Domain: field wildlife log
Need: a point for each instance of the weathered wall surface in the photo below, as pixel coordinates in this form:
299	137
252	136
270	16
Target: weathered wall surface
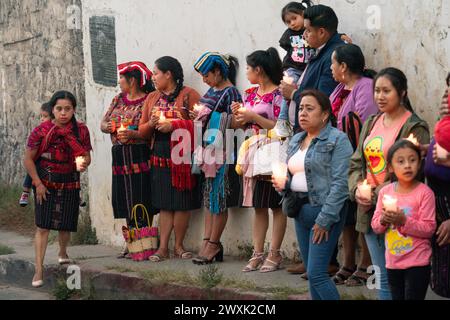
411	36
40	52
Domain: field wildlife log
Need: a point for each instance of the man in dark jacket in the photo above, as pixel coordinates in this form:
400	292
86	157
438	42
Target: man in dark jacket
321	25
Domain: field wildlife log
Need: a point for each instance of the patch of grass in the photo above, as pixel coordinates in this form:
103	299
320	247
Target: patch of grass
61	292
12	216
209	276
4	250
345	296
282	293
238	284
168	276
86	234
119	269
245	250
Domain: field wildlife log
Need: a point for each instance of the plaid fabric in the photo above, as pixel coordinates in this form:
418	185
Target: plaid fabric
59	146
60	210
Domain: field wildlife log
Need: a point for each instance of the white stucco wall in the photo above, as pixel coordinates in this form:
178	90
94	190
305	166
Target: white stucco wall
146	30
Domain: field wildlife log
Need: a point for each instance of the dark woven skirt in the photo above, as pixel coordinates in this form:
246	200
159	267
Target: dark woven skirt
264	195
440	261
164	196
60	211
131	180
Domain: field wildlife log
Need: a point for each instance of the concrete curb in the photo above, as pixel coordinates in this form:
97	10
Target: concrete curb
101	284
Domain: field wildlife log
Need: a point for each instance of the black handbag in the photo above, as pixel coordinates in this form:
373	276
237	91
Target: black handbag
293	202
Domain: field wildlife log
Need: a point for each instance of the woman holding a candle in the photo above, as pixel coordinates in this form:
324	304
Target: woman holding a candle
130	155
260	111
396	121
405	213
56	181
221	187
352	103
318	164
175	191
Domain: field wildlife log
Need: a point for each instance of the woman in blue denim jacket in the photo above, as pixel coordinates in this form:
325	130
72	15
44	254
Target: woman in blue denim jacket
318	165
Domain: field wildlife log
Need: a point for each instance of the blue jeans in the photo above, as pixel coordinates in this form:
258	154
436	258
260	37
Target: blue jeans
377	250
316	257
284	111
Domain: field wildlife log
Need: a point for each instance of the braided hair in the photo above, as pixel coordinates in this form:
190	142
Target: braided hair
171	64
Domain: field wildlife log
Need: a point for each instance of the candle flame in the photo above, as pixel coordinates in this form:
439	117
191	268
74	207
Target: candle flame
122	128
198	107
162	117
413	139
279	170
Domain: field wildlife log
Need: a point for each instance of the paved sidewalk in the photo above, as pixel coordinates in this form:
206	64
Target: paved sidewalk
112	278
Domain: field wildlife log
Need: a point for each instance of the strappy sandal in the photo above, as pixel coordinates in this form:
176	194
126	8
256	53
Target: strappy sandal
342	275
358	278
183	254
217	255
270	265
257	257
157	257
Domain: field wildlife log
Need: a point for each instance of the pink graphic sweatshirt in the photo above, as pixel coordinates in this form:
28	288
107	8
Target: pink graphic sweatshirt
409	245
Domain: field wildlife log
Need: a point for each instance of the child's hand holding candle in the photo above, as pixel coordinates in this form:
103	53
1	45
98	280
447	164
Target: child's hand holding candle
390	203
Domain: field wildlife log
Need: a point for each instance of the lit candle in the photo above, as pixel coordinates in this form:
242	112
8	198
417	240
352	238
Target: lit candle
198	107
79	161
122	128
287	79
413	139
162	117
365	190
442	154
279	172
390	203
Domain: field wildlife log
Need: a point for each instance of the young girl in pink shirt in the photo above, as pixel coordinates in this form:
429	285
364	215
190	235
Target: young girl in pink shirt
405	212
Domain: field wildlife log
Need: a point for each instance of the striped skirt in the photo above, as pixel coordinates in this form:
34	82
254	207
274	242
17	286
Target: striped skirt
131	181
440	262
61	209
264	195
164	195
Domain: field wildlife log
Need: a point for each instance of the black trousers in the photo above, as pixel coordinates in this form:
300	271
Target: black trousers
409	284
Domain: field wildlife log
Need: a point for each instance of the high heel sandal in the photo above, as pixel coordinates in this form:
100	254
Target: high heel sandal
218	256
256	256
270	265
202	249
